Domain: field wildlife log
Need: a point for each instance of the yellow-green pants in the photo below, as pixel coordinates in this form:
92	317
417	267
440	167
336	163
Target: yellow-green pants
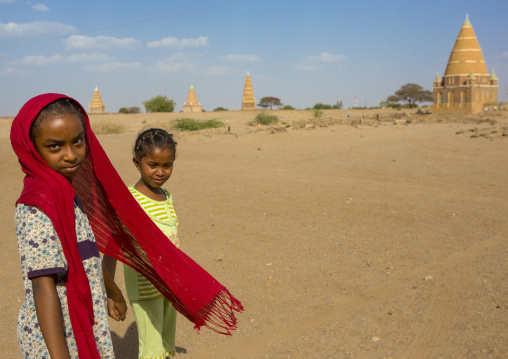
156	322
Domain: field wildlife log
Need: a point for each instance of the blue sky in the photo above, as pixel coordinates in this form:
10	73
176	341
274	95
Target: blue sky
302	52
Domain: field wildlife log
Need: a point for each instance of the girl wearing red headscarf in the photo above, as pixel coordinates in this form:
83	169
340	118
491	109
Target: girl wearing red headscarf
44	323
74	203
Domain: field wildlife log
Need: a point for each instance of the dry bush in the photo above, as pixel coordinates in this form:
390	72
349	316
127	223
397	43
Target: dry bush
108	128
189	124
333	121
300	123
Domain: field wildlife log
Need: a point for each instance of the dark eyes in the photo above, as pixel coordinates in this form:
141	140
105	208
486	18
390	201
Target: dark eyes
167	165
56	146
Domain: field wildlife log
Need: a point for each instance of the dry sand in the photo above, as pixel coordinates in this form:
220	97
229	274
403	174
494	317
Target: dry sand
364	238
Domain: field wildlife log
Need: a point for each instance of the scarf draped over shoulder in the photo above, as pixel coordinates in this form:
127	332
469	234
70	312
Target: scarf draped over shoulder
122	231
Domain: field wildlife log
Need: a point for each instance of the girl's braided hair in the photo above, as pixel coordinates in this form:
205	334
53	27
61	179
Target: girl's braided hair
58	108
153	138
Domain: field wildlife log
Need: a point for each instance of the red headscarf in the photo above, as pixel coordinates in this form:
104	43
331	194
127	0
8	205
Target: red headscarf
122	230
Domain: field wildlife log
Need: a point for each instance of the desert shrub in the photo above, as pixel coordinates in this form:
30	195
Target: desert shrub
287	107
220	109
108	128
300	123
317	113
189	124
321	106
132	109
265	119
389	104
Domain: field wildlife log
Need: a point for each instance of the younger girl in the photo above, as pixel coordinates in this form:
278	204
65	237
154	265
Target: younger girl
154	154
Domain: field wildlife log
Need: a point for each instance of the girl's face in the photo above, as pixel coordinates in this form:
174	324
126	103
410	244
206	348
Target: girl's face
62	145
155	167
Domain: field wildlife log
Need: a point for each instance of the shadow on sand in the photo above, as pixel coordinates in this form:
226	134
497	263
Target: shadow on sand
127	347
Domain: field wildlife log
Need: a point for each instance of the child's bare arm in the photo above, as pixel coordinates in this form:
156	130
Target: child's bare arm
110	264
117	308
49	315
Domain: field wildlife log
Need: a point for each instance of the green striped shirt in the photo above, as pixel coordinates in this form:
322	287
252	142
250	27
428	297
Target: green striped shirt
164	216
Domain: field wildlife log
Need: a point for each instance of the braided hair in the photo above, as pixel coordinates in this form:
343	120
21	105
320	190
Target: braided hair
151	139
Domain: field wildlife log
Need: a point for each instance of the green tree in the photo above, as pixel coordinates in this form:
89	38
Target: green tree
266	102
389	104
411	93
321	106
159	103
288	107
132	109
338	105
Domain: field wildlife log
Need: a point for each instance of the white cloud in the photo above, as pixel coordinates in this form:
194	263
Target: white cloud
182	56
88	57
173	67
174	42
325	57
183	62
504	55
217	70
180	62
306	68
37	28
240	58
39	7
12	71
314	63
100	42
114	67
198	42
41	60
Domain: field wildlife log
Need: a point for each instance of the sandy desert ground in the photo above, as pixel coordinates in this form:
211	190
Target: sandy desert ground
358	237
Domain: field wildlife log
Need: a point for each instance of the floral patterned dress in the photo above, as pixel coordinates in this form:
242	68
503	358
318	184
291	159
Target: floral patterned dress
42	254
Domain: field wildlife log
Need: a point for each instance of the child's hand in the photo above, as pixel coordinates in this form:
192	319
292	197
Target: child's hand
117	308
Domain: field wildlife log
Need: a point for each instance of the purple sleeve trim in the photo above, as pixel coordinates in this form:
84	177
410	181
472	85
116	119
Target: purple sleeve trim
88	249
46	271
79	203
